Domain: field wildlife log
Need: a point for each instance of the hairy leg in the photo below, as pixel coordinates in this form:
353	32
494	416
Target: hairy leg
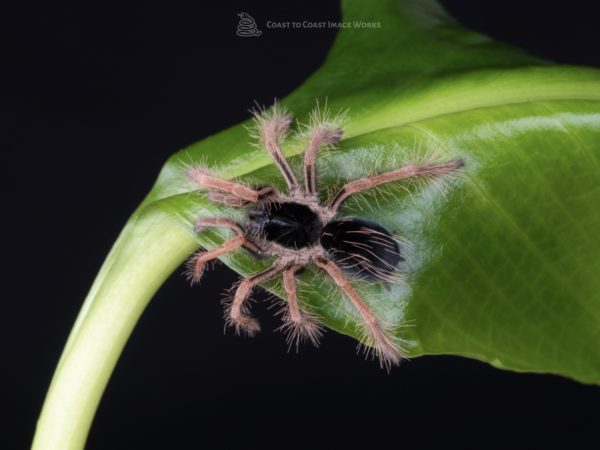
196	264
399	174
243	194
319	135
298	324
237	312
222	222
272	127
385	347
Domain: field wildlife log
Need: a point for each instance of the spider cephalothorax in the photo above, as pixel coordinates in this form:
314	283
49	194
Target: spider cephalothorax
297	230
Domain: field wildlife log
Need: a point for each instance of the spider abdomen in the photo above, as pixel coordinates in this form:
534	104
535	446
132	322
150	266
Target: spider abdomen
362	248
290	224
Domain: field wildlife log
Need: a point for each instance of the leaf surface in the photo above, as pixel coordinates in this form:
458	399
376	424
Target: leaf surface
505	259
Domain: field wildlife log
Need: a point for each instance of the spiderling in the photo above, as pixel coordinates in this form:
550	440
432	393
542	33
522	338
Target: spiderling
297	230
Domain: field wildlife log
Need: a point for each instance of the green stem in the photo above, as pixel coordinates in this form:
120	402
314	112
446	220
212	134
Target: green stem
149	249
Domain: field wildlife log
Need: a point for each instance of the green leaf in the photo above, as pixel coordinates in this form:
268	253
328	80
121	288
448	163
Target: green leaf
506	258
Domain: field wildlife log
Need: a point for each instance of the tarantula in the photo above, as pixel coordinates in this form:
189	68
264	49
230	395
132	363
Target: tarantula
298	230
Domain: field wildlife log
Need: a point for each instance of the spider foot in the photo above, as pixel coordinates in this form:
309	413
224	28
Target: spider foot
386	347
300	327
271	125
243	324
325	134
194	267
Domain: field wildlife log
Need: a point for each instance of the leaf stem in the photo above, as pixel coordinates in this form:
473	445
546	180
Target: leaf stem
149	249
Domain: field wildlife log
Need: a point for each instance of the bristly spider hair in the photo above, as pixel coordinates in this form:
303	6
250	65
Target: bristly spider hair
297	230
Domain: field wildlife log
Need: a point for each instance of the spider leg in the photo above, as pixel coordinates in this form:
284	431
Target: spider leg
272	126
320	135
366	183
237	192
386	349
197	262
237	312
227	223
298	324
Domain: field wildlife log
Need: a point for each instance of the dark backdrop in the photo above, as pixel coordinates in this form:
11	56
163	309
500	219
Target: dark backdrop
94	101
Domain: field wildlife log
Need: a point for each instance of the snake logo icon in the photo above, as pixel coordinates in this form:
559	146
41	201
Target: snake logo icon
247	26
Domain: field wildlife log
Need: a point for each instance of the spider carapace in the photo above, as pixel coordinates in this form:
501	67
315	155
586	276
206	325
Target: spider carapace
297	230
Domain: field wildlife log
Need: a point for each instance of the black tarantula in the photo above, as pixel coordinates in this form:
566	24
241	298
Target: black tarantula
297	230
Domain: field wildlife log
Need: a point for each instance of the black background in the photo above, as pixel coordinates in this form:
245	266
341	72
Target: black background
94	101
